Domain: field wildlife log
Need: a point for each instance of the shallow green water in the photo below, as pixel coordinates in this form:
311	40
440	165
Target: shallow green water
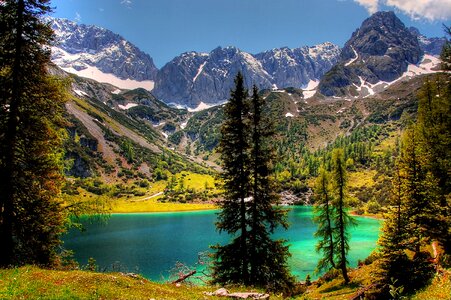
150	244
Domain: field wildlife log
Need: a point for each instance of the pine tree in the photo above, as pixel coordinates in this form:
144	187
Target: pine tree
342	219
419	187
268	258
412	221
248	209
434	127
231	262
324	215
31	106
393	244
445	56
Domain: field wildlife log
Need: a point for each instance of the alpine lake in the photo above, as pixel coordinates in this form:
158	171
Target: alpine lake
151	243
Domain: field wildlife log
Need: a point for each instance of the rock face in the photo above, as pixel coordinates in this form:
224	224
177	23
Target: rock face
296	67
432	46
80	46
192	78
380	50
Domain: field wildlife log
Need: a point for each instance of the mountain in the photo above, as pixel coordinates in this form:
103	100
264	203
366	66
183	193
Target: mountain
192	77
379	51
100	54
297	67
195	78
432	46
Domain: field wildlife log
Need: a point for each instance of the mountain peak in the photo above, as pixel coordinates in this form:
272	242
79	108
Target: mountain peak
380	50
81	47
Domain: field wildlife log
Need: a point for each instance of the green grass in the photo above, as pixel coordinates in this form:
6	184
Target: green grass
152	205
440	288
31	282
149	201
196	181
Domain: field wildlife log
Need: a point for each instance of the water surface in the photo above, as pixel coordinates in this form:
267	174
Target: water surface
150	244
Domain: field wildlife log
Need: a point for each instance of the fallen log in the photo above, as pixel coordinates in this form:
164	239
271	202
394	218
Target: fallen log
361	293
239	295
183	277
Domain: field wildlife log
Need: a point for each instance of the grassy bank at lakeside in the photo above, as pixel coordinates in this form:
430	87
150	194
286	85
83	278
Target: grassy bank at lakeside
31	282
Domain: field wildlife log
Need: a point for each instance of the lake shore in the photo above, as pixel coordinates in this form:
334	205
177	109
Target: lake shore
152	205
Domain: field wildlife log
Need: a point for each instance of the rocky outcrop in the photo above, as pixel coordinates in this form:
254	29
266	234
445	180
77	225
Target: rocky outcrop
380	50
79	167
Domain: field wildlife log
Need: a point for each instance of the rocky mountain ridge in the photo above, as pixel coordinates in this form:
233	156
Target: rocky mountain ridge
379	51
88	49
194	78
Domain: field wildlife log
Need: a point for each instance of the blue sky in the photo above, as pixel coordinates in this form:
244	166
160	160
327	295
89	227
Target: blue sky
166	28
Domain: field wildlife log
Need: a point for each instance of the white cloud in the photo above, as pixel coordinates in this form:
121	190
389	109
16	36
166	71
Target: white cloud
101	9
77	17
127	3
431	10
371	5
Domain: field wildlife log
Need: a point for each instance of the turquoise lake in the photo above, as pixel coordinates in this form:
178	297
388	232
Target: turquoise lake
150	244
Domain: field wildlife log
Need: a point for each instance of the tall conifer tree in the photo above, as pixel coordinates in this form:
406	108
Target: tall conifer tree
342	219
232	260
324	216
248	210
268	257
31	106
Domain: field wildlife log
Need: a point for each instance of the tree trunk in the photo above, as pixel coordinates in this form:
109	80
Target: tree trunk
6	235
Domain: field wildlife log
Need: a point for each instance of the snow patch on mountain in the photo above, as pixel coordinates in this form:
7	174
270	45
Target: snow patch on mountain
127	106
199	71
428	65
353	59
310	89
80	93
203	106
94	73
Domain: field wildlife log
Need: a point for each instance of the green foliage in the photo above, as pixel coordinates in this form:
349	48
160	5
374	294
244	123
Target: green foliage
419	211
324	215
92	265
341	219
128	150
445	56
396	291
231	262
31	122
248	209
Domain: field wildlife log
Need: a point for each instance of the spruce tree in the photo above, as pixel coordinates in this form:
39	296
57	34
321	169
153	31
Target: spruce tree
248	210
324	216
231	262
268	257
342	219
445	56
420	190
394	261
31	106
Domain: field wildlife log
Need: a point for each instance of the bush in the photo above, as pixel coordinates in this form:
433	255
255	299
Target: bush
330	275
373	207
